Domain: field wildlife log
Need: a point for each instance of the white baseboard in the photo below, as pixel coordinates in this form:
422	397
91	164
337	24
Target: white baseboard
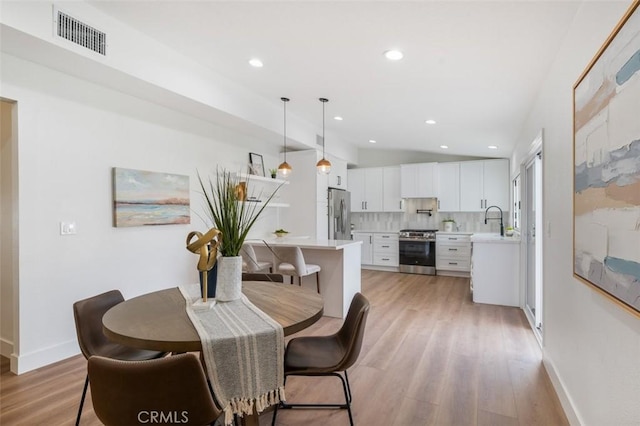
6	347
43	357
563	396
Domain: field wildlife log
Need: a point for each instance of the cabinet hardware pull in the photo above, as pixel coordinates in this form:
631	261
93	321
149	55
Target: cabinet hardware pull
453	238
385	258
385	246
453	249
339	180
453	263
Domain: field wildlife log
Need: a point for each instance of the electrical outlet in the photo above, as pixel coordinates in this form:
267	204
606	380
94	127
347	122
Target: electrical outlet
68	228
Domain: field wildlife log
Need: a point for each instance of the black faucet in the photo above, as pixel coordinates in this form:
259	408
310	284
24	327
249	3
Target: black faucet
494	218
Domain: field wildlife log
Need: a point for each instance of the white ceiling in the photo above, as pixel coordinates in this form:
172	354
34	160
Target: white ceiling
475	67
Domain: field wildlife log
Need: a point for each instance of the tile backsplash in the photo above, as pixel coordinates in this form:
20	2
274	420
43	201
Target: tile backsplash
410	219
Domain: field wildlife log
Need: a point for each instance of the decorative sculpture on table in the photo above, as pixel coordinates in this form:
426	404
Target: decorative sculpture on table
206	245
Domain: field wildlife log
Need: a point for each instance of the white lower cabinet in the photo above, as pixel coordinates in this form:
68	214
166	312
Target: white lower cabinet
379	249
367	246
453	254
385	249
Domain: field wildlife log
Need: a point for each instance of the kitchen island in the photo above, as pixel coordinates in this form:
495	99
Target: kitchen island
495	269
340	262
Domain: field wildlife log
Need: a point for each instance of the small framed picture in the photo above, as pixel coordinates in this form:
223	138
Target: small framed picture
256	165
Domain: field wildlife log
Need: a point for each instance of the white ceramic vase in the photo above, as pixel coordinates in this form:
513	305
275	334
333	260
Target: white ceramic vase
229	286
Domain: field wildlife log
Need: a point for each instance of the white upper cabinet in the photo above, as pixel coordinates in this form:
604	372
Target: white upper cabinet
391	199
448	187
483	184
338	175
418	180
366	187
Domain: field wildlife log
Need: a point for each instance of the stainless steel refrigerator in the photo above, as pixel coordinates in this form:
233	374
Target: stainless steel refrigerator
339	214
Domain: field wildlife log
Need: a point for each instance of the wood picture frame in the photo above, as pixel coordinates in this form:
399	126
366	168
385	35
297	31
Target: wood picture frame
256	164
606	164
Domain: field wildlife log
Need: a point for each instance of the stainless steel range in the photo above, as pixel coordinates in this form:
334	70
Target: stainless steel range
418	251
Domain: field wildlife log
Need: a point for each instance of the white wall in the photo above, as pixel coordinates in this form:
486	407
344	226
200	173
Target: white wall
71	134
591	345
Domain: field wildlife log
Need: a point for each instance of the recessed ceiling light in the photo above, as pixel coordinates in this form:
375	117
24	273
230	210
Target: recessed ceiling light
430	121
337	117
444	146
492	147
372	141
393	55
255	62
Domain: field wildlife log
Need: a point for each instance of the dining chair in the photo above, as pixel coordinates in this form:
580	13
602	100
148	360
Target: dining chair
170	390
250	262
328	355
88	314
274	278
290	261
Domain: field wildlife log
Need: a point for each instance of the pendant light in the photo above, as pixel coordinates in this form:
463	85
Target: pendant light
323	166
284	169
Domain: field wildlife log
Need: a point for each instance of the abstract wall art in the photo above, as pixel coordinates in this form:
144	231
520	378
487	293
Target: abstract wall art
606	196
149	198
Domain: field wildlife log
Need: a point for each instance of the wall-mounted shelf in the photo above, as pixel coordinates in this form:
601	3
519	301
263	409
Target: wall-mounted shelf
257	178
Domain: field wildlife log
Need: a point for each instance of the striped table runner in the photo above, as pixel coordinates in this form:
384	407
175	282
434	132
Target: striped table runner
243	349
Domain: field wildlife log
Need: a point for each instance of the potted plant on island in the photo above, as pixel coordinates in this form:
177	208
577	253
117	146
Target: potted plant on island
233	214
281	233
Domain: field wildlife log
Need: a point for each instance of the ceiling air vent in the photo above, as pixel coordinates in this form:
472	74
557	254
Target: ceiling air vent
80	33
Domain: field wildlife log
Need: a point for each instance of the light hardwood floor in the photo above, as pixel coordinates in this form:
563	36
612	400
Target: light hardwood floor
430	357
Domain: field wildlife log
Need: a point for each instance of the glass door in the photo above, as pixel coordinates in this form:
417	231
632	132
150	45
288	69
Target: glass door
532	228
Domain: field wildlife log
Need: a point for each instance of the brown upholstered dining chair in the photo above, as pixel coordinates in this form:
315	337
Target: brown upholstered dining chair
170	390
274	278
88	315
328	355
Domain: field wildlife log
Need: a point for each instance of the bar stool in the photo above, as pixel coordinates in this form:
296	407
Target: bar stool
250	262
290	261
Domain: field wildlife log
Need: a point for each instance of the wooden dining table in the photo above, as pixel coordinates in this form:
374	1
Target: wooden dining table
159	321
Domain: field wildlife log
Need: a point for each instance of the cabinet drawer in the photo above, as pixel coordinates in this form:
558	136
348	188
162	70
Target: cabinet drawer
385	238
451	250
453	264
386	247
453	238
385	259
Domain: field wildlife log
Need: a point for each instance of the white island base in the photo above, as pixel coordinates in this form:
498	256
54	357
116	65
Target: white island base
495	269
340	276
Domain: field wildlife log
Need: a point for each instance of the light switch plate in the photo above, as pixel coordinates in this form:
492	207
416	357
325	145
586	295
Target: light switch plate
68	228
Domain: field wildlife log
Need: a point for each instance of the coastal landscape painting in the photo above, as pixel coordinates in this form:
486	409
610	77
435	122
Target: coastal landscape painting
606	196
150	198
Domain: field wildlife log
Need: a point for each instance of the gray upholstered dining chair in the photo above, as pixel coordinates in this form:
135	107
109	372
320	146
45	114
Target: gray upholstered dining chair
172	389
250	261
88	314
289	260
328	355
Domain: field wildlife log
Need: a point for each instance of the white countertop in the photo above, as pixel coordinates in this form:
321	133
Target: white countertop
486	237
308	243
377	231
454	233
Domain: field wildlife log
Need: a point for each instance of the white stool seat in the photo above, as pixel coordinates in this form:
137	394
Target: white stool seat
250	262
289	269
290	261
